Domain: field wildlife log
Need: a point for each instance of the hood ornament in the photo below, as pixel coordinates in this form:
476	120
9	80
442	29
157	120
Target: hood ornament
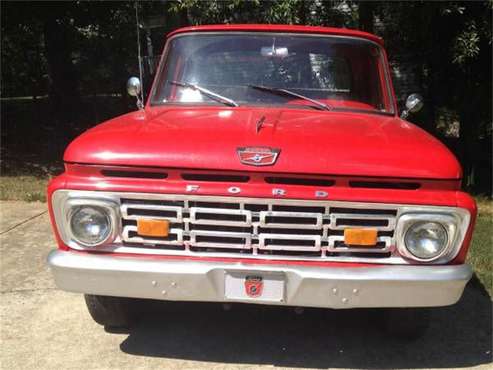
258	156
259	124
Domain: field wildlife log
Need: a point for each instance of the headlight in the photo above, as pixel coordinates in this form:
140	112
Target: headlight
426	240
431	237
90	225
86	220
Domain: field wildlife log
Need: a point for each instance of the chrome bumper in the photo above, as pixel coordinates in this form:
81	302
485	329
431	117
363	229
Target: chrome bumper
331	287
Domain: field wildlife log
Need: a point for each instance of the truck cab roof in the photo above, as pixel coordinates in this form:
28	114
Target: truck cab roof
279	28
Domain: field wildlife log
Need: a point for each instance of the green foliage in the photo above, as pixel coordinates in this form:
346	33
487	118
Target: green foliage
26	188
329	13
466	45
481	251
69	50
99	37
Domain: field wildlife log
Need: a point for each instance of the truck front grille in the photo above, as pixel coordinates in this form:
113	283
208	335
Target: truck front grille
261	228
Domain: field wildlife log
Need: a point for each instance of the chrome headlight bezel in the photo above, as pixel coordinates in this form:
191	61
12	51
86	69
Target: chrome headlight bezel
64	208
455	222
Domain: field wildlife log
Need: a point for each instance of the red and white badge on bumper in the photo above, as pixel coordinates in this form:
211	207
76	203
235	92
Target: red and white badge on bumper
262	286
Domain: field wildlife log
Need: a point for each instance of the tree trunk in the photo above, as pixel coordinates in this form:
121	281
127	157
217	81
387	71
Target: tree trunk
63	80
365	12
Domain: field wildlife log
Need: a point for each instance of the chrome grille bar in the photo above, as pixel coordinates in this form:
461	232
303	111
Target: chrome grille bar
219	237
291	217
176	217
175	237
274	226
195	216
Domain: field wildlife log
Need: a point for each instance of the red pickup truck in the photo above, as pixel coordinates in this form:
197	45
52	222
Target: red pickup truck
270	165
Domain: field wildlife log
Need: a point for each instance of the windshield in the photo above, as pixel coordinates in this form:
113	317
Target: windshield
341	72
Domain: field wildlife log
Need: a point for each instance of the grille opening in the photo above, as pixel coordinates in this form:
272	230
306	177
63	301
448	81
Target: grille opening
364	211
306	209
288	242
379	233
214	177
151	212
290	220
298	181
256	207
385	185
169	238
134	174
290	253
126	222
220	250
219	217
157	246
386	233
199	204
359	254
274	230
341	244
235	229
361	222
172	225
175	203
220	239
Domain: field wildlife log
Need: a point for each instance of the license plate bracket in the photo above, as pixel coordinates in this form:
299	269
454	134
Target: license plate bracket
264	286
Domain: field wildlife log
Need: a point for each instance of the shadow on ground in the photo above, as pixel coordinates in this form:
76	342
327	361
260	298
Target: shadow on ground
459	336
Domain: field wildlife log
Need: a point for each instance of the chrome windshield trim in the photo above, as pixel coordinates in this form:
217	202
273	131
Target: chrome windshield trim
383	55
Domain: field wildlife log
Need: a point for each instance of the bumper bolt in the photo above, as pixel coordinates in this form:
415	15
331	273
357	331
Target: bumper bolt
163	292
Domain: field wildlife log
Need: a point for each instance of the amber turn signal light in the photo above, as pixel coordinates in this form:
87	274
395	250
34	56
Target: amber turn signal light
148	227
360	237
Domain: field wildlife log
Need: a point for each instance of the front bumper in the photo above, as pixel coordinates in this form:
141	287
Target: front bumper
330	287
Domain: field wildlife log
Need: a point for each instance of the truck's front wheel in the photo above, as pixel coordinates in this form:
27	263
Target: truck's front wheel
113	312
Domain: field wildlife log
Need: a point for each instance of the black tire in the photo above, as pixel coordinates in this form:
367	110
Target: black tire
407	323
111	312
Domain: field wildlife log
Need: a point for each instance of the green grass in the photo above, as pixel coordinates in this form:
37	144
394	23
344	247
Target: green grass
481	251
27	188
33	188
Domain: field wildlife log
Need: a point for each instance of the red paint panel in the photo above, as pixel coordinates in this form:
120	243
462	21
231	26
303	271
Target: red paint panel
313	142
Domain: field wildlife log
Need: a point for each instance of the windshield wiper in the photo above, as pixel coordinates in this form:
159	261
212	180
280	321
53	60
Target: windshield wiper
210	94
285	92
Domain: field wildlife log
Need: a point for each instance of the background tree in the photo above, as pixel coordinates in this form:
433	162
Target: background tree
80	54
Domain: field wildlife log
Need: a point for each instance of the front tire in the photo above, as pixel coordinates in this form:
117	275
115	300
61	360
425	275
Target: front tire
407	323
111	312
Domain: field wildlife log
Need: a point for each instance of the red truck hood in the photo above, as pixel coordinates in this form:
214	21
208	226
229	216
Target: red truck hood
315	142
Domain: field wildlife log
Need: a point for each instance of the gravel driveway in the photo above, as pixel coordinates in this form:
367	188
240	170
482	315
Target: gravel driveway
43	328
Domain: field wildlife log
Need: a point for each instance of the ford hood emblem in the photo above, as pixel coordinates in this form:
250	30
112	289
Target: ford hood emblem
258	156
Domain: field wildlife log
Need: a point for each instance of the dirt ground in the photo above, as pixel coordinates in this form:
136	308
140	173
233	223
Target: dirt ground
44	328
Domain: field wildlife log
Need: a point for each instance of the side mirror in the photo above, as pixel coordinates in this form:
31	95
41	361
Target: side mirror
414	103
134	88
